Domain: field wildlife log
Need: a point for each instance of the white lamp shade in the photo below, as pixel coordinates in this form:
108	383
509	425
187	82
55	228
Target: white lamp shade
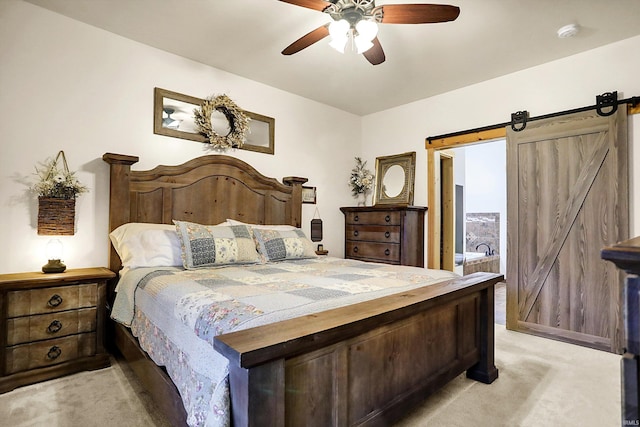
338	29
54	249
367	29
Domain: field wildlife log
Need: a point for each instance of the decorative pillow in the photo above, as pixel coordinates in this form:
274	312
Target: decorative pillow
214	245
147	245
279	245
263	227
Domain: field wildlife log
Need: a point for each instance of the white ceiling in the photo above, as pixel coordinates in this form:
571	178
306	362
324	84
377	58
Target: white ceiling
490	38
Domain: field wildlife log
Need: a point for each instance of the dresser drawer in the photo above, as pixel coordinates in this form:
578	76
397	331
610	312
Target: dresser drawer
383	252
373	233
50	352
372	217
46	326
48	300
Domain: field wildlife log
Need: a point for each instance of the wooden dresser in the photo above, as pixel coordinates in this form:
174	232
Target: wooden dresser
51	325
626	256
389	234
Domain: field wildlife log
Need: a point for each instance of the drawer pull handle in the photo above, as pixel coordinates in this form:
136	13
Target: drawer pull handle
355	249
387	252
387	218
355	218
54	352
54	327
387	234
355	233
54	301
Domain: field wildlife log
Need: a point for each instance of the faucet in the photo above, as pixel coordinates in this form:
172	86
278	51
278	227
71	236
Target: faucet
489	251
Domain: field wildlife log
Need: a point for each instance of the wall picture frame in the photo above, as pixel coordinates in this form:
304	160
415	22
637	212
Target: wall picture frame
173	116
309	195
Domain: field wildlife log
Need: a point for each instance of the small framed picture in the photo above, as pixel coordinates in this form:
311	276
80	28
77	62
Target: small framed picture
308	194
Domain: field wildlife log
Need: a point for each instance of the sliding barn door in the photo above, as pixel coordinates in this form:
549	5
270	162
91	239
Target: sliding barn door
567	192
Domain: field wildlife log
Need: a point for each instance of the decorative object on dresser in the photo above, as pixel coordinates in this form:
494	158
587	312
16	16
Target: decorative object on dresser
389	234
174	116
361	181
57	189
395	179
51	325
626	256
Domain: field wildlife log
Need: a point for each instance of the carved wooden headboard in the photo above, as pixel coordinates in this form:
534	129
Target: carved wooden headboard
205	190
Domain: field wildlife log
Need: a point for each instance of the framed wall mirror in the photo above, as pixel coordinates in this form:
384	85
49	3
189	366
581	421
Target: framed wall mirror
395	178
173	116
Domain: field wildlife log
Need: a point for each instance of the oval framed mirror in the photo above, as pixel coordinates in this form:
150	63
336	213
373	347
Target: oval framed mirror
395	177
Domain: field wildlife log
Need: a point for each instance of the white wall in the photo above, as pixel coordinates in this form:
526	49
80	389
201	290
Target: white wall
560	85
68	86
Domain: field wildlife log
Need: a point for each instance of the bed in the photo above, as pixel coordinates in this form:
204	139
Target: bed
365	363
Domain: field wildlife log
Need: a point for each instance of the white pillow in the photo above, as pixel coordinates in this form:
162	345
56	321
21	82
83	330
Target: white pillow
263	227
147	245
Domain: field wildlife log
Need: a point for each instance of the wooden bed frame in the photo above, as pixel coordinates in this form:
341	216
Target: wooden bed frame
365	364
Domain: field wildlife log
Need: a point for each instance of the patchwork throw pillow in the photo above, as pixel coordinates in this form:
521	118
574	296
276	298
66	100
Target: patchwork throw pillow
215	245
279	245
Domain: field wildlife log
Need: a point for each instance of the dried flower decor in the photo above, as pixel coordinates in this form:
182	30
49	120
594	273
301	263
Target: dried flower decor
238	122
361	181
56	181
57	189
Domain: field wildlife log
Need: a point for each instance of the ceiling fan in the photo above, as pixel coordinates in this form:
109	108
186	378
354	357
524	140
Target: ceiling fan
359	18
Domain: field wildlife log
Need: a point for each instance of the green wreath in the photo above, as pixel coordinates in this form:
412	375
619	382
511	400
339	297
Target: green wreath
238	122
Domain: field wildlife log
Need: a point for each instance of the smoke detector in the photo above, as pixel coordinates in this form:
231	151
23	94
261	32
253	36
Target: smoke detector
568	31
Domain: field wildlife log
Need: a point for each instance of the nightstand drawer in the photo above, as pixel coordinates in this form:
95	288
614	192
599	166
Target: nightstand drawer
47	300
383	252
50	352
374	233
372	217
46	326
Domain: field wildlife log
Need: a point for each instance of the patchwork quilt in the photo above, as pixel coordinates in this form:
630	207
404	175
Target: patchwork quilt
176	313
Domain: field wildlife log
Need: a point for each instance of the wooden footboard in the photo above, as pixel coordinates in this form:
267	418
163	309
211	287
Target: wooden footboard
365	364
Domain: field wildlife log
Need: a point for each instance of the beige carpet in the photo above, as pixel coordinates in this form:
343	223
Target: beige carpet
542	383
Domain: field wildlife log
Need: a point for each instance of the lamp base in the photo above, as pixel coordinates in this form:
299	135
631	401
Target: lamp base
54	266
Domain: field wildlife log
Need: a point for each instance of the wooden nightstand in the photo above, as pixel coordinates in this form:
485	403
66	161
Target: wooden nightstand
51	325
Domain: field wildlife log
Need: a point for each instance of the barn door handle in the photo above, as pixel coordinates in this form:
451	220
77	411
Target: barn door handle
54	301
54	327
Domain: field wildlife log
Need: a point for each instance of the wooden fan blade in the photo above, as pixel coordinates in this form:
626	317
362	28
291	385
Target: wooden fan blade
307	40
310	4
418	13
375	55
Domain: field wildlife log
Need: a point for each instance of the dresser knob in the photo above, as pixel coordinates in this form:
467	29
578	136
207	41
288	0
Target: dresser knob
356	218
355	249
387	218
387	234
54	301
54	352
387	252
355	233
54	327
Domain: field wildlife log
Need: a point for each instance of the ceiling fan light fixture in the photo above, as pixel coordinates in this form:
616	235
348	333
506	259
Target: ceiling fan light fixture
367	29
339	31
362	44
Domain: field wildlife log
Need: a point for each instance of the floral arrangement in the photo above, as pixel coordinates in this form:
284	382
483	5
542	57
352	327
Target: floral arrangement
238	122
361	178
55	180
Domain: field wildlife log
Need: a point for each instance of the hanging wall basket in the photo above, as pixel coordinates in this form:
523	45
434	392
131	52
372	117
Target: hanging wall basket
57	190
56	216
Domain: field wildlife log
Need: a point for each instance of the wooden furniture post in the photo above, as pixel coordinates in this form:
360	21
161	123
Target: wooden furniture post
485	370
118	196
626	256
296	182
